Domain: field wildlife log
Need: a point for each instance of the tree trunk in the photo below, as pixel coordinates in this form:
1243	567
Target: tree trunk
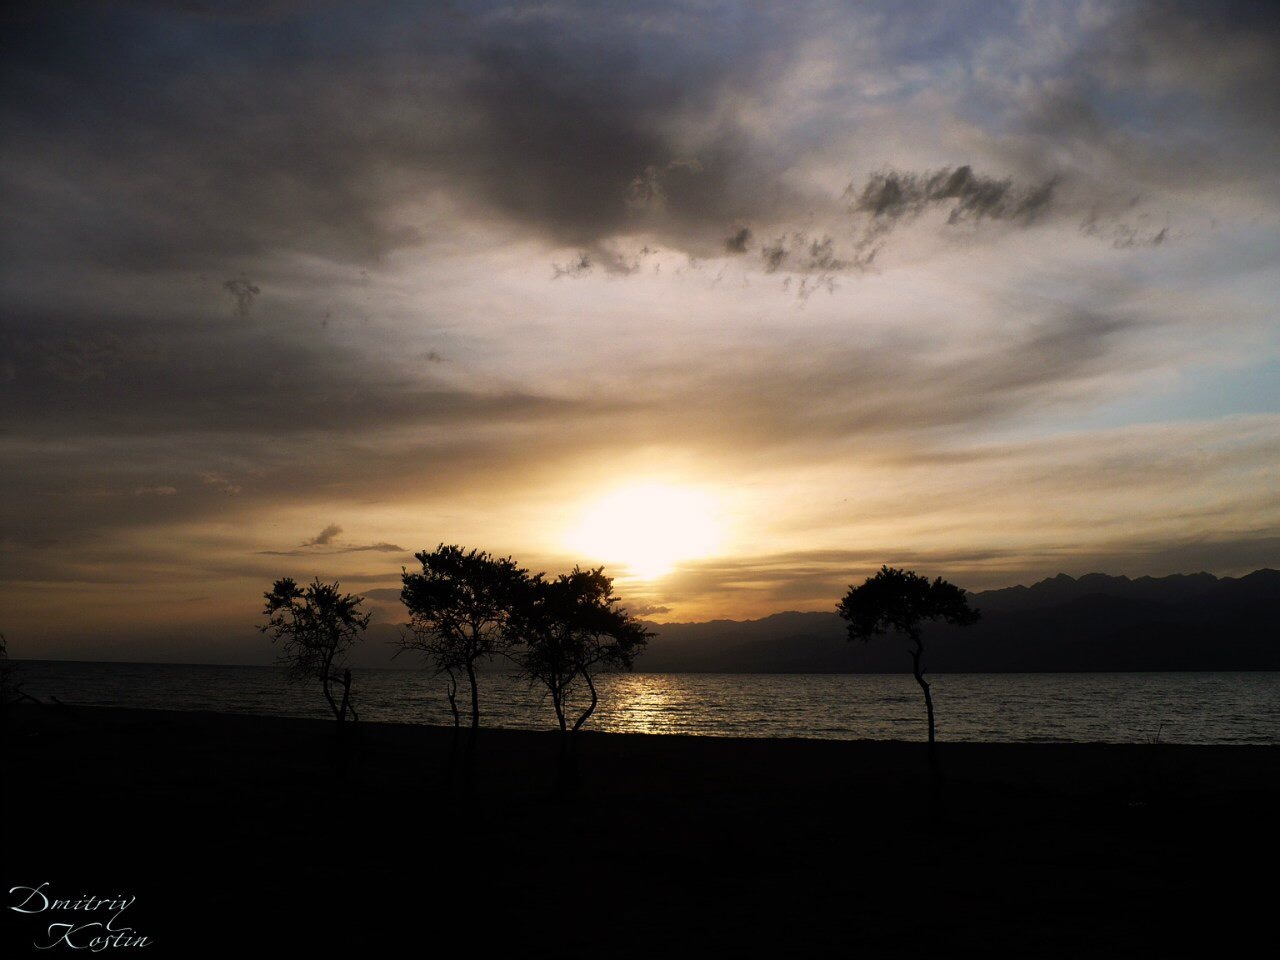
452	693
346	696
595	699
928	706
328	695
557	701
475	695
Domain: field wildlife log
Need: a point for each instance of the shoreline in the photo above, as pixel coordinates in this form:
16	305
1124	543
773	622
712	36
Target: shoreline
724	845
640	669
1137	708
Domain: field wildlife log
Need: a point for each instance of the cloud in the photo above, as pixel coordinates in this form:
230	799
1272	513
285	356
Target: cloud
645	609
1125	234
324	537
155	376
816	579
381	547
385	594
320	135
580	266
738	241
1047	218
647	194
82	357
243	291
335	549
890	197
222	484
1222	55
890	389
577	130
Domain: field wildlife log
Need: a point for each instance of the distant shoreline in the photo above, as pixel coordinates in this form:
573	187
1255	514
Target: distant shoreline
639	670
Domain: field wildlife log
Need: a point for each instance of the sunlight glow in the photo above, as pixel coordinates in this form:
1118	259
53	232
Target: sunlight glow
648	529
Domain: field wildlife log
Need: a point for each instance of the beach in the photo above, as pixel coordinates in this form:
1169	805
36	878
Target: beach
231	831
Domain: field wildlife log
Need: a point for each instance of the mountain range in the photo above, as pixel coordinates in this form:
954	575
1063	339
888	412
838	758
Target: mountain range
1091	623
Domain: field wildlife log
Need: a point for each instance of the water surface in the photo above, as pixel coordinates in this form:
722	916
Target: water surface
1043	707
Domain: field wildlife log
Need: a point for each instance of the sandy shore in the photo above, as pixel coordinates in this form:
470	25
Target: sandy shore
235	830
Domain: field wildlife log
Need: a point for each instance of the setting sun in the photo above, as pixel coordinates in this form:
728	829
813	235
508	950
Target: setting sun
648	529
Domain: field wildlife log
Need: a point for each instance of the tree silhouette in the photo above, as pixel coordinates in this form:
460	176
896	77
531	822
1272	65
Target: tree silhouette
10	685
902	600
566	630
459	609
316	627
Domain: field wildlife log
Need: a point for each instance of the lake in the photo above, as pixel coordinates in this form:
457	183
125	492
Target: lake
1040	707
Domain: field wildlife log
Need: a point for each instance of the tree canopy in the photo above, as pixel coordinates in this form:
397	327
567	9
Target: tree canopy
901	601
459	607
316	627
567	629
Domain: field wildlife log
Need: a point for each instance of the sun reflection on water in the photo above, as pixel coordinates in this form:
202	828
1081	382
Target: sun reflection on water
642	706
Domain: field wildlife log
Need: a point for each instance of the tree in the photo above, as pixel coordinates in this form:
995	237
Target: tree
316	627
569	628
459	610
902	600
10	685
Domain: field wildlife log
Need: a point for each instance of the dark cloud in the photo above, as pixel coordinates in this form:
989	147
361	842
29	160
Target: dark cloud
612	261
151	377
85	357
573	130
243	291
146	143
217	141
555	147
313	132
334	550
1141	231
1159	98
324	537
1222	55
580	266
891	195
307	131
161	491
814	259
738	241
774	255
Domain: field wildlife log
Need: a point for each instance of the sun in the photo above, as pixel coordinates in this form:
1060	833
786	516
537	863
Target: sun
648	529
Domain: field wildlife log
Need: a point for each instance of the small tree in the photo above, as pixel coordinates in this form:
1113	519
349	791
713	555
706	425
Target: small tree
10	685
459	609
568	629
902	600
317	626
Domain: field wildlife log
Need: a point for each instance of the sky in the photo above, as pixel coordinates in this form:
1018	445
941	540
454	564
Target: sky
739	300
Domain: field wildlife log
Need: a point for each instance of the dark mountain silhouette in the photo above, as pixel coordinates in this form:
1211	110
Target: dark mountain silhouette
1093	623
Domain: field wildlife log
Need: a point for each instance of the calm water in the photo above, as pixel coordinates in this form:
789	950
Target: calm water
1114	707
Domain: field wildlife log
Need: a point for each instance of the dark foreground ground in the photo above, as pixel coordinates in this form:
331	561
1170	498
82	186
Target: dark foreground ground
245	833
